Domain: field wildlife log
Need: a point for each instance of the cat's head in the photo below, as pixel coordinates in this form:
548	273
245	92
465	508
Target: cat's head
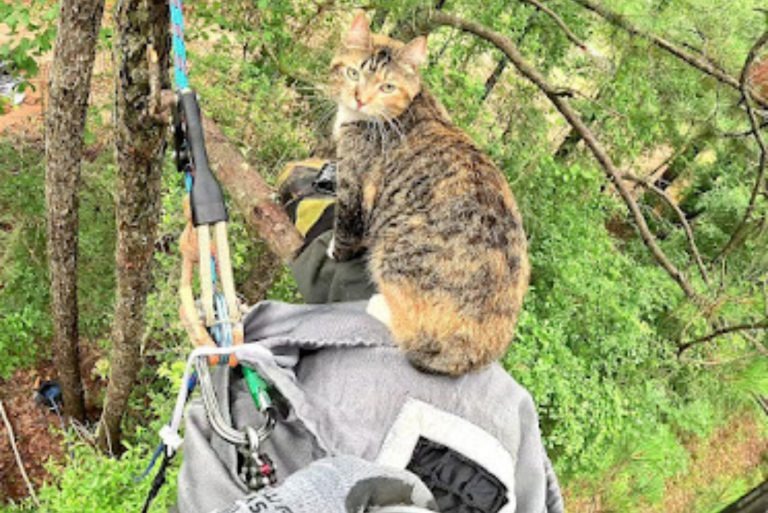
374	76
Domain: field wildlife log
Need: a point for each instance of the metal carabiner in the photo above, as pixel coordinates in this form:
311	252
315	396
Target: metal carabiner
212	410
258	470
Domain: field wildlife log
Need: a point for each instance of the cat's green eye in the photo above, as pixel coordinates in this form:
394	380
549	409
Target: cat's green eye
387	88
353	74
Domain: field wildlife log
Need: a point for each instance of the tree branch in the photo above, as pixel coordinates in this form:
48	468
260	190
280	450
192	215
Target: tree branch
747	100
559	22
680	216
763	325
697	61
574	119
491	81
251	194
745	133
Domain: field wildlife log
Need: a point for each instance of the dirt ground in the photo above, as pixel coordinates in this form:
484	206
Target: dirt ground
27	118
734	450
36	430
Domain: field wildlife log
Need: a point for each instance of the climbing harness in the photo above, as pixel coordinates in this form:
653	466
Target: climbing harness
214	322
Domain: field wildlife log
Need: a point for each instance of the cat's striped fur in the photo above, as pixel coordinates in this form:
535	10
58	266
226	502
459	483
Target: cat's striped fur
444	239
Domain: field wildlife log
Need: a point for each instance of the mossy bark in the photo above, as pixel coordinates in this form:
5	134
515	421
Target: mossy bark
70	84
139	146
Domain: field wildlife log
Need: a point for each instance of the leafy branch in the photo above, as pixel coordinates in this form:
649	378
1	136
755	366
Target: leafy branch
559	22
556	97
37	18
699	62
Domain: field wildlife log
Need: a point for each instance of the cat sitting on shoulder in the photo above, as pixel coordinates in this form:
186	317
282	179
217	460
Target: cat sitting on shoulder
444	238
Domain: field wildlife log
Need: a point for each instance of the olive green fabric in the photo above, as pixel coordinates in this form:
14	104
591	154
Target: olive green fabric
322	280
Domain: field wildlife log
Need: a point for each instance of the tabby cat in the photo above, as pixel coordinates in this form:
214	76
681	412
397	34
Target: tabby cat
445	242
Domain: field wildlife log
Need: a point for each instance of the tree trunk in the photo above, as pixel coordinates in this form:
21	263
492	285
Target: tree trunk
139	146
79	23
265	269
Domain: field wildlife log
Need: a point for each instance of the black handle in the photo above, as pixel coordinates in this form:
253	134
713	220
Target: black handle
206	198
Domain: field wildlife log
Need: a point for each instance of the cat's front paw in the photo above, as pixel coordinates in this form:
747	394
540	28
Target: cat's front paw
341	252
331	248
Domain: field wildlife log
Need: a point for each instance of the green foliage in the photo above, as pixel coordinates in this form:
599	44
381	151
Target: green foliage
23	273
36	18
597	342
24	316
92	481
284	288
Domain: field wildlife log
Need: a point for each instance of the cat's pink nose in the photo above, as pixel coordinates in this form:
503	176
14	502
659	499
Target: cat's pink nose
359	104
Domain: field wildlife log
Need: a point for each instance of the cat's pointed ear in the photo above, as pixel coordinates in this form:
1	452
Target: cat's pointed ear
359	35
415	52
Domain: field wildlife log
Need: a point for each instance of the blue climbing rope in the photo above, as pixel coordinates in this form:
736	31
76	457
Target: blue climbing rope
180	76
192	160
208	208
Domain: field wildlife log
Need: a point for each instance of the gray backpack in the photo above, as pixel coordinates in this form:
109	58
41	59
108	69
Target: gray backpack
342	390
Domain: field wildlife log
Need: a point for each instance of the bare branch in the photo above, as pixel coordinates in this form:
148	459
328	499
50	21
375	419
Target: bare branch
762	402
680	216
559	22
490	83
747	99
763	325
764	287
745	133
758	345
251	194
574	119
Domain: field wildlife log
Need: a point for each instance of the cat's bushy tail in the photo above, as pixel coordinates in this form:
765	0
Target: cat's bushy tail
439	336
444	356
